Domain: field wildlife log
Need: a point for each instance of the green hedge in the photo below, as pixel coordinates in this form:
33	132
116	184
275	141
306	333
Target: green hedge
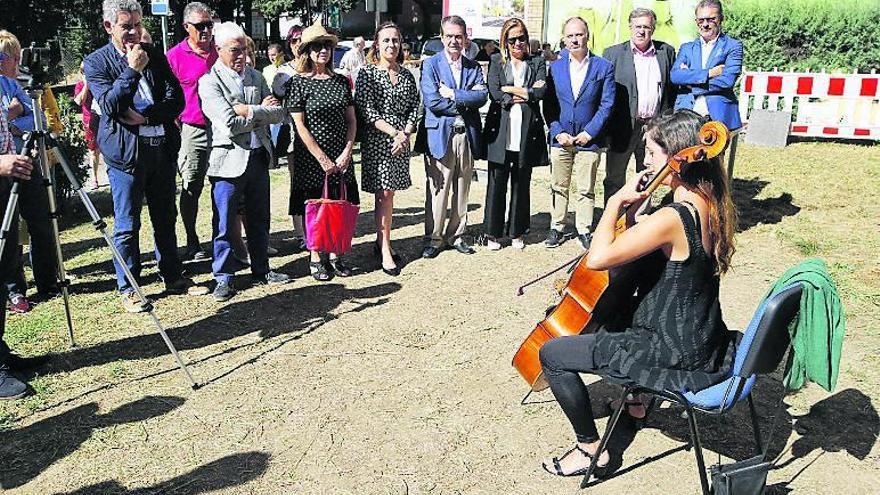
807	34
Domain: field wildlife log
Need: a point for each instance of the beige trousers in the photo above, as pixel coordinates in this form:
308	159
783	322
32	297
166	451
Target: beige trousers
583	165
453	173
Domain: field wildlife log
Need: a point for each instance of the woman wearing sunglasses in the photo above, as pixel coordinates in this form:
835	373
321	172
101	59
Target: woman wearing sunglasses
514	133
324	121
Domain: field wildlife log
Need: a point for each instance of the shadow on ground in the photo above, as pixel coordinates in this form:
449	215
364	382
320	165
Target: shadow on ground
227	472
845	421
28	451
298	310
757	211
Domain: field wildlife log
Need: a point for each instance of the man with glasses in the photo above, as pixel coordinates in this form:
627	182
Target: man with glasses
140	100
577	105
189	61
239	105
707	68
642	91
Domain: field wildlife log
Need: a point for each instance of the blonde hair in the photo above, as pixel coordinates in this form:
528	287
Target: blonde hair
9	43
505	33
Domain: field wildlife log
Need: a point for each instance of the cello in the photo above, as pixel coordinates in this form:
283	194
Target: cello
589	296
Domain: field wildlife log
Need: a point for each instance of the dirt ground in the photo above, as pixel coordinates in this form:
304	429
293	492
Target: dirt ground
384	385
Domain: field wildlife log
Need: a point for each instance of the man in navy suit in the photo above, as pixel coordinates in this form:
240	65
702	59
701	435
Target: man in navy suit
707	68
579	99
453	90
140	99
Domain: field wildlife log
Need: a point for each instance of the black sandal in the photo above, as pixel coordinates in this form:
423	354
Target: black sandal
598	472
339	268
319	271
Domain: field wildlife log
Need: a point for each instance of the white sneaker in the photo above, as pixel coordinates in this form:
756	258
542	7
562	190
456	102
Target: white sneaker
518	243
492	244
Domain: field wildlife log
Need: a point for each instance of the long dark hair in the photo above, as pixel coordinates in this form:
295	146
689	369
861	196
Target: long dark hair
677	131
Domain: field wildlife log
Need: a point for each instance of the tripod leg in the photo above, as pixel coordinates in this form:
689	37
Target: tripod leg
9	216
63	281
101	226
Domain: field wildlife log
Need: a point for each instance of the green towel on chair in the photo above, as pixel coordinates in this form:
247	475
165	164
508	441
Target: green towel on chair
817	338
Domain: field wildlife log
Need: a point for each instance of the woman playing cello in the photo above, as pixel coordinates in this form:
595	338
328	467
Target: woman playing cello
676	337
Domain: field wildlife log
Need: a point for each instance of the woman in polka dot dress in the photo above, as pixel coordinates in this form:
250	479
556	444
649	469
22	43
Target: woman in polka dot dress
324	117
387	100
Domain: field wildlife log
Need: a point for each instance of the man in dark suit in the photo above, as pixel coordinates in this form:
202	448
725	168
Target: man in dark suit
707	68
641	78
453	91
140	99
576	108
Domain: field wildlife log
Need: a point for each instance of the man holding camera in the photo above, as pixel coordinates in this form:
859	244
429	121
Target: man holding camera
12	166
140	99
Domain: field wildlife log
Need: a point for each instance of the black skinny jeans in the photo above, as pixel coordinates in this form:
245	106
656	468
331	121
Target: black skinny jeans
562	359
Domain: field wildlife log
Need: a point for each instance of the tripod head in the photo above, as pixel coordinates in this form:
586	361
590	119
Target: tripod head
35	62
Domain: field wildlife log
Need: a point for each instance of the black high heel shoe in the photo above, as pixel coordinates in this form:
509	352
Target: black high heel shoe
393	272
378	252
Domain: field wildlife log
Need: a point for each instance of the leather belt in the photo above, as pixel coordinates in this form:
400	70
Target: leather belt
153	141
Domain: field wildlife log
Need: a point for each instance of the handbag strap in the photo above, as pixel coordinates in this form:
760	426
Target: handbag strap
343	189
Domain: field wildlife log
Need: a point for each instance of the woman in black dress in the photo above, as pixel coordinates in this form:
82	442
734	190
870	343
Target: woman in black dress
387	99
514	133
323	114
676	338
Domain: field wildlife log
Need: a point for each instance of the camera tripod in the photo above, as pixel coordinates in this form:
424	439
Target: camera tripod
41	141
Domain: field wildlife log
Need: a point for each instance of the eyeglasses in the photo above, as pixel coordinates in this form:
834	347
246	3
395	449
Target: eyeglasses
321	45
521	38
710	20
202	26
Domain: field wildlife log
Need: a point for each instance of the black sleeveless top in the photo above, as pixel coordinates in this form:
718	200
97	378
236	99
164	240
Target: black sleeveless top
676	338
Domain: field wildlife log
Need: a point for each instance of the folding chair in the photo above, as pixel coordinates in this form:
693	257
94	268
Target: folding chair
759	352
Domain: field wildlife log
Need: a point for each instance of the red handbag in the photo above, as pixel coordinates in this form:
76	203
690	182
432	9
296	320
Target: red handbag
330	223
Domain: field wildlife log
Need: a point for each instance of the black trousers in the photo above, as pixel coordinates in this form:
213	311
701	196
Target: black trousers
562	359
496	194
7	264
33	205
616	161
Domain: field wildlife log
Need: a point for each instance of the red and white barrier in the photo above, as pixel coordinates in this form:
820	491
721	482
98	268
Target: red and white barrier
822	105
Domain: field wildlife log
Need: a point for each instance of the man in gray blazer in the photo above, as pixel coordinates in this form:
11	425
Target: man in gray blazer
643	90
237	102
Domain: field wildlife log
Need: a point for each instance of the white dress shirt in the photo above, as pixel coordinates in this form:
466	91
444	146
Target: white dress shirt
578	73
700	105
514	126
456	68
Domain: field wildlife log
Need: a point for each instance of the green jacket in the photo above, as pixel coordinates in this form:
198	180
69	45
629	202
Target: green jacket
817	338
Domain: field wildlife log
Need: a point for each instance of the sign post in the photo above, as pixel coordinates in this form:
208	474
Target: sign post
160	8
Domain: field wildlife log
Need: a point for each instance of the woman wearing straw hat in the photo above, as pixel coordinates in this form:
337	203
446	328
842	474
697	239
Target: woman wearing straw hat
324	118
